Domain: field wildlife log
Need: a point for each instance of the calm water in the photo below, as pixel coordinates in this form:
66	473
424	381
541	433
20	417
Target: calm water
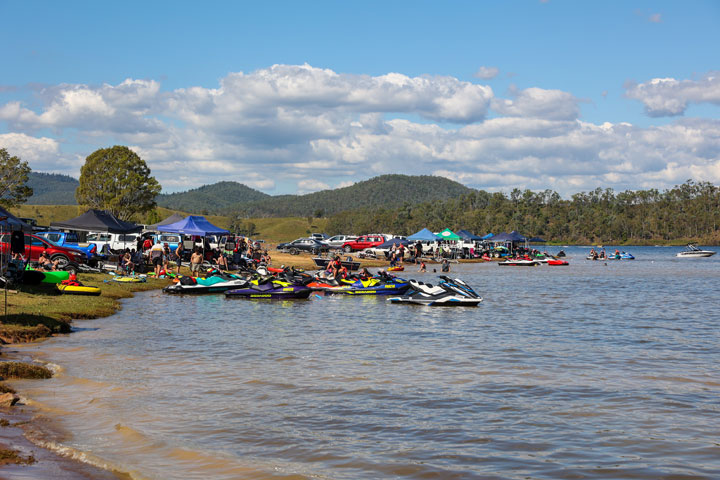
587	371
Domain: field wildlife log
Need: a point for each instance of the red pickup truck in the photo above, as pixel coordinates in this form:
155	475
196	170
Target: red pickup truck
69	258
363	242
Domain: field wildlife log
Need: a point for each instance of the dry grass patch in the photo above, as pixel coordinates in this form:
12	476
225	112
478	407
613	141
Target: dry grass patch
23	370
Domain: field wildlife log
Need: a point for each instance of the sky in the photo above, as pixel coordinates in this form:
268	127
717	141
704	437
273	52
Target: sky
299	96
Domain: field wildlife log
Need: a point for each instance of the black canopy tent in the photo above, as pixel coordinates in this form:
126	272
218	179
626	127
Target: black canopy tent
98	221
175	217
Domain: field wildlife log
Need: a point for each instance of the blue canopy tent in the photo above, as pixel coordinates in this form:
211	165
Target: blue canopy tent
423	235
470	237
394	241
485	237
193	225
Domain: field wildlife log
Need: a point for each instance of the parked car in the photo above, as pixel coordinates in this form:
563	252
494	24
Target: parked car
321	237
363	242
70	240
339	240
68	258
304	245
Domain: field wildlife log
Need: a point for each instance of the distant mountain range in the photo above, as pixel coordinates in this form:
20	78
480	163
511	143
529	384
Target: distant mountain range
226	198
52	189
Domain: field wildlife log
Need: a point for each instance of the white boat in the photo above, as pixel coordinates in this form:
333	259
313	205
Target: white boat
693	251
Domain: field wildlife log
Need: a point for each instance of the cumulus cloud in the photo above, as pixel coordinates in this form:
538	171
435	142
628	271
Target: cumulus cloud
315	128
539	103
670	97
487	73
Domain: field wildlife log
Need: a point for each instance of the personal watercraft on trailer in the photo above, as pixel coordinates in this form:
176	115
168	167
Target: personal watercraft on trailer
270	289
694	252
217	283
448	293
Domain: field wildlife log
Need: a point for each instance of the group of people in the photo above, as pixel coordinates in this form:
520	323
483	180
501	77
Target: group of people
601	255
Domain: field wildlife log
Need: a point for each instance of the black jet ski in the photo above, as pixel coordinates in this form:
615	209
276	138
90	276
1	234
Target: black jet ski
448	293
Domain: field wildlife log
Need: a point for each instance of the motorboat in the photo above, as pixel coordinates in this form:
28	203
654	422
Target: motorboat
693	251
348	263
519	262
448	293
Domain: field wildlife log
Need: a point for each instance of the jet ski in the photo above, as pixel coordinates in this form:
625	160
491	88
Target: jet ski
519	262
267	288
220	282
448	293
381	284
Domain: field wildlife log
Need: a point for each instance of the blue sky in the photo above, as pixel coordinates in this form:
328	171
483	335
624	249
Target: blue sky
292	97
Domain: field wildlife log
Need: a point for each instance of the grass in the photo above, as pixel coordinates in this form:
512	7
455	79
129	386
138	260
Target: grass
8	456
39	311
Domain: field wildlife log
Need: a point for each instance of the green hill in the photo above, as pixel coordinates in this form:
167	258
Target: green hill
226	198
382	191
216	198
52	189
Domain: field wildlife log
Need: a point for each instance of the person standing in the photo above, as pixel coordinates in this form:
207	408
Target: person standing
179	255
156	257
196	260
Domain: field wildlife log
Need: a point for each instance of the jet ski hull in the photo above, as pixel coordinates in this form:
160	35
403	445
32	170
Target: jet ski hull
278	293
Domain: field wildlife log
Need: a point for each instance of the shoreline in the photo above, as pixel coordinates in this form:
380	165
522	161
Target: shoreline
38	461
47	462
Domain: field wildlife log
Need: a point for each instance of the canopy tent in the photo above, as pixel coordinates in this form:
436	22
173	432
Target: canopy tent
9	222
193	225
394	241
175	217
485	237
98	221
423	235
448	234
470	237
503	237
536	240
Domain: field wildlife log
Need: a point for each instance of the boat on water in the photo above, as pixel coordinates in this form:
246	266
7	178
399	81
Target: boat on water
519	262
348	263
693	251
448	293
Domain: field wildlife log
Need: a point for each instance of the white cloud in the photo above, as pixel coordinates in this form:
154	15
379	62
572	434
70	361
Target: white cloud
670	97
311	127
539	103
487	73
310	185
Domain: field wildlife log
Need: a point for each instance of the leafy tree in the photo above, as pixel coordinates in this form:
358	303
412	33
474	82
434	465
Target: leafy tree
117	180
14	175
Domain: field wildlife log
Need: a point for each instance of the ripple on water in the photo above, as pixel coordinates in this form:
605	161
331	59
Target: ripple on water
593	371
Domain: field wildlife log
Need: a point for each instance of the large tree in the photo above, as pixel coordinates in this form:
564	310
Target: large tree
13	180
117	180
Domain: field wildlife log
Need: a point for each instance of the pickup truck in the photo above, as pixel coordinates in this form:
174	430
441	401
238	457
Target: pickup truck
70	240
115	242
69	258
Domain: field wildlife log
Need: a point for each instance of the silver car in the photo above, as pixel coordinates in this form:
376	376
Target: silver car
338	240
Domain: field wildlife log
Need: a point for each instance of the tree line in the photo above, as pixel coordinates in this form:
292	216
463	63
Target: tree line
687	212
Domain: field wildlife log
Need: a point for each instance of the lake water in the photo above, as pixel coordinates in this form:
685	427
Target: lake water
594	370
